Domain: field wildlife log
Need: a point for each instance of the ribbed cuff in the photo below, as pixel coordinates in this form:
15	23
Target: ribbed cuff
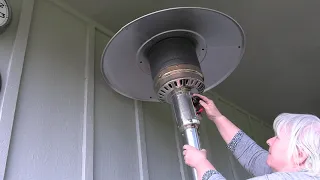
235	140
208	174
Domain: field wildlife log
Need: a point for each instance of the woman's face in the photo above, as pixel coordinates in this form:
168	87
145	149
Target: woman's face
278	152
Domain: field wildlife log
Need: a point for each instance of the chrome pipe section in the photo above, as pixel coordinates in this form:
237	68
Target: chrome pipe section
176	72
191	138
187	120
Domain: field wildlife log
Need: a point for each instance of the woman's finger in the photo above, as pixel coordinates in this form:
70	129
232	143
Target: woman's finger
185	146
204	105
205	99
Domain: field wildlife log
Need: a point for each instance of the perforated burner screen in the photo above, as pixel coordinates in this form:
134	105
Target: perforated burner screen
190	83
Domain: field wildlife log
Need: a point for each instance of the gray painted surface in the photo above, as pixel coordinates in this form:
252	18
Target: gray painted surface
70	125
279	71
47	133
12	80
7	42
115	142
163	161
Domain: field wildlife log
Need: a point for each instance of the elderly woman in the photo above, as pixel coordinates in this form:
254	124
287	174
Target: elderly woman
294	151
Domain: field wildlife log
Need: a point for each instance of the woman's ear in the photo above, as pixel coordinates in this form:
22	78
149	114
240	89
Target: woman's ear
302	157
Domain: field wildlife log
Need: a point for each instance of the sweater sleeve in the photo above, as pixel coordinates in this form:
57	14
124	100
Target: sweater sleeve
215	176
274	176
287	176
249	154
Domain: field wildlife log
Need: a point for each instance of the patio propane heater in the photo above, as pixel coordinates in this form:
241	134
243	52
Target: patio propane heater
166	55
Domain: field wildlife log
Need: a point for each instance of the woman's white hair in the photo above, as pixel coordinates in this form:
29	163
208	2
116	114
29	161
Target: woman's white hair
304	132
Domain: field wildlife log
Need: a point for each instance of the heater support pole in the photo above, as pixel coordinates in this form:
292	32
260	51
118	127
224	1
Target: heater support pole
192	138
187	120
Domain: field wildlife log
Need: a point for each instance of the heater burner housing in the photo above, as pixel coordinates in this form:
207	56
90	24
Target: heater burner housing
174	65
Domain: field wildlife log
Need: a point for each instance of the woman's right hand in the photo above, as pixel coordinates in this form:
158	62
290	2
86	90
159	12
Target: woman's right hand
211	110
226	128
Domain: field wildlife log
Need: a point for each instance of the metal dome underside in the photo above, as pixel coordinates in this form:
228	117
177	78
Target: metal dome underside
219	44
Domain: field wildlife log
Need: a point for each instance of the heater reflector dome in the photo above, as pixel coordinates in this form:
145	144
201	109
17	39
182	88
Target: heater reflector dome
206	44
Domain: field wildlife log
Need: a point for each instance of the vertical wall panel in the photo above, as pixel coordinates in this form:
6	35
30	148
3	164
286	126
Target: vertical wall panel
88	116
163	161
141	141
47	133
115	143
7	42
11	70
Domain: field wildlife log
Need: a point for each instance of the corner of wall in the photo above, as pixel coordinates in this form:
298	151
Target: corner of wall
83	17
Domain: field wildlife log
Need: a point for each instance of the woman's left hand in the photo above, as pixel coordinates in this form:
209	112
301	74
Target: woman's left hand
193	157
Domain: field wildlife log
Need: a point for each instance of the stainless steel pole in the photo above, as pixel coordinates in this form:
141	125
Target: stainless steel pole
187	120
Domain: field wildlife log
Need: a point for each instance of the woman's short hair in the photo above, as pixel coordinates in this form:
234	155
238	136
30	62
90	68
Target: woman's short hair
304	131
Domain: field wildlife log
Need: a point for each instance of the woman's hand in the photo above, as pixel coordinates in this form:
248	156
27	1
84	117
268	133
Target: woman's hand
194	157
226	128
197	159
210	108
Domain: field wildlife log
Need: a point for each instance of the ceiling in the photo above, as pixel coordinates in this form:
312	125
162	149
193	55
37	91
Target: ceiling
280	69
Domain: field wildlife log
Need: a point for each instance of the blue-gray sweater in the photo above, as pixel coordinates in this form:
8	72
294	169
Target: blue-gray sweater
254	159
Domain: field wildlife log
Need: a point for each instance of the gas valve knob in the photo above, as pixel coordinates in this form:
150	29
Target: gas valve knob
196	103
